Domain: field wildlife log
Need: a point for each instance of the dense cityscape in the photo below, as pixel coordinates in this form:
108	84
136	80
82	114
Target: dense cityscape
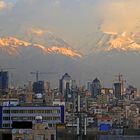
38	112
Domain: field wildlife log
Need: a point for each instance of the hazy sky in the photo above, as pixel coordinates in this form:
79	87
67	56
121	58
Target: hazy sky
71	19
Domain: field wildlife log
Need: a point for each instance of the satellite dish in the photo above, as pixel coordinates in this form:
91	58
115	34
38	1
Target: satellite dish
21	131
38	118
14	131
39	95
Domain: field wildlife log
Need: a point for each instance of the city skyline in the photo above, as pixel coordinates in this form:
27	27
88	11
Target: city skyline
69	69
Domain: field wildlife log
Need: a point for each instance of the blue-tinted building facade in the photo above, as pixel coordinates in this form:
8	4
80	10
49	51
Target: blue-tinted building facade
38	87
118	90
4	80
96	87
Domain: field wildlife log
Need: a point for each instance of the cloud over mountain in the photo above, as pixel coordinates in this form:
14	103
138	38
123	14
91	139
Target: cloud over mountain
119	16
3	5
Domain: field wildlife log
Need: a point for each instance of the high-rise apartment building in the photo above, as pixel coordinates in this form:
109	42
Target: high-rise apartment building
65	86
38	87
96	87
4	81
118	90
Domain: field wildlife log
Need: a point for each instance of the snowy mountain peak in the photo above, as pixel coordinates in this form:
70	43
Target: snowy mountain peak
12	46
123	42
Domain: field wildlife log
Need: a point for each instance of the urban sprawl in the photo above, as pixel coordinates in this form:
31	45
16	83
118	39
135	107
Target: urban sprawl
69	112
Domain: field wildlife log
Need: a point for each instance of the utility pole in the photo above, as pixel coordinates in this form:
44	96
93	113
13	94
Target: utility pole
78	118
73	113
81	127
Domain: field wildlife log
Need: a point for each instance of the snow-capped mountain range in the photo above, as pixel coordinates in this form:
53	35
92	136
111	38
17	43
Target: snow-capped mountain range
42	50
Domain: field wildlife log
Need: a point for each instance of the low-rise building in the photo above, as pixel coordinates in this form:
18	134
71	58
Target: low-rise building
51	114
38	132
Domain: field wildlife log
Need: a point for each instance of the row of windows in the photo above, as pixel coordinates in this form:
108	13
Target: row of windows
31	118
51	118
51	125
7	125
55	111
6	118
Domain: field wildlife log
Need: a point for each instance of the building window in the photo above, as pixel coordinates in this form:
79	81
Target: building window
7	125
52	136
6	111
56	111
48	118
6	118
56	118
30	111
49	111
50	125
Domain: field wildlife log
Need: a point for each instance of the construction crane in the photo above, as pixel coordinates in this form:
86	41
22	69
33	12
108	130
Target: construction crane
37	73
5	69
